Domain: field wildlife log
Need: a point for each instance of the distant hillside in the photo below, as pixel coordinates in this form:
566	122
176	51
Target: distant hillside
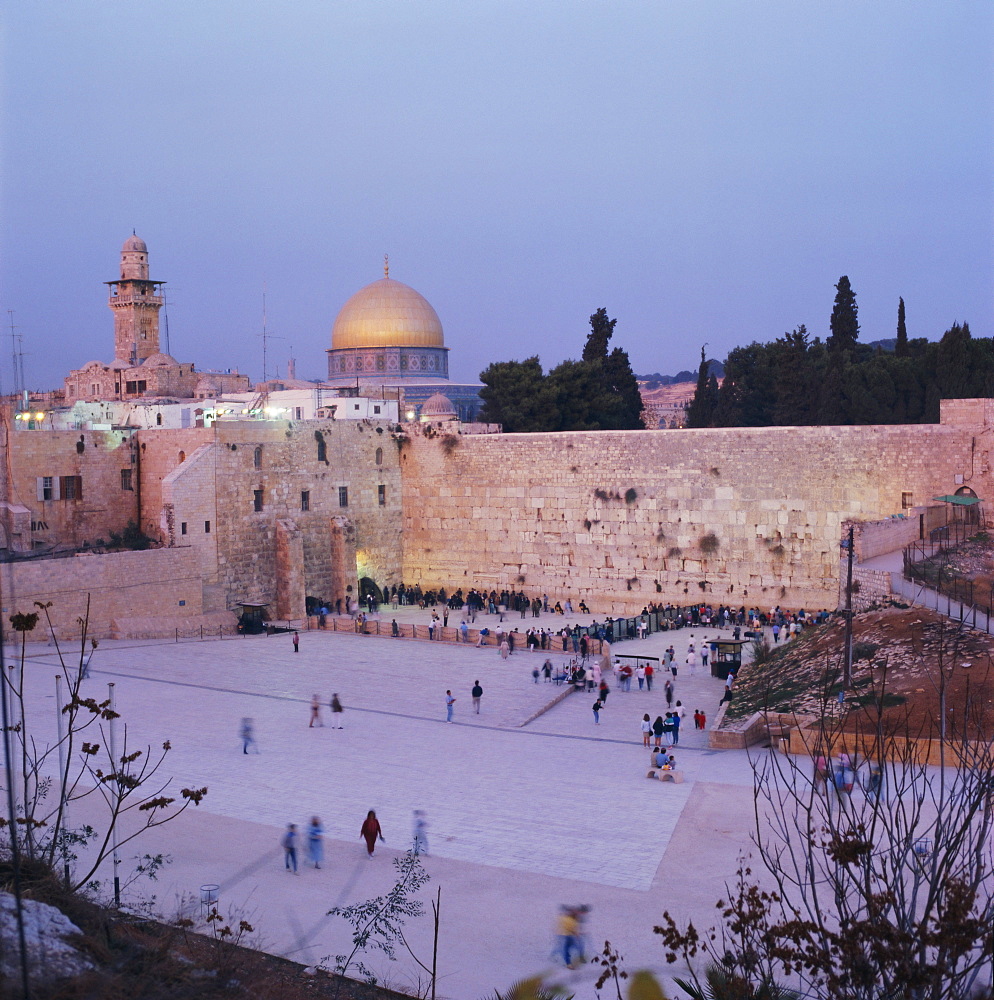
716	368
655	380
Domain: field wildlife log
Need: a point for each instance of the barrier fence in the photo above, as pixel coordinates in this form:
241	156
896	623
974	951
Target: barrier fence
615	630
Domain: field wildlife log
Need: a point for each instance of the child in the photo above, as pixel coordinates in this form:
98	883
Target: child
598	705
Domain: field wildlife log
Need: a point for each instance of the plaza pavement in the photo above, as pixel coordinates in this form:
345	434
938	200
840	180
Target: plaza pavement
521	817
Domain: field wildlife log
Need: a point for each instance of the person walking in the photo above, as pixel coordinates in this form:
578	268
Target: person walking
504	649
646	730
336	712
315	712
289	845
597	706
650	674
420	832
692	661
370	830
449	702
477	694
668	691
296	642
315	842
247	734
463	631
640	676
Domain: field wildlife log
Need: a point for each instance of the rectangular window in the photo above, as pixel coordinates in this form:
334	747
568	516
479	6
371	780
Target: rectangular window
343	496
376	409
355	406
906	501
142	385
71	487
130	387
298	413
305	499
48	488
182	527
207	527
381	495
257	499
127	482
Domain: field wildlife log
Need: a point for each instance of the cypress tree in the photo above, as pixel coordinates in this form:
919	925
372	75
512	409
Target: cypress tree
700	413
901	348
844	322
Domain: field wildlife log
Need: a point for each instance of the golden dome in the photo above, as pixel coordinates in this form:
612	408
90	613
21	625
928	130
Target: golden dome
387	313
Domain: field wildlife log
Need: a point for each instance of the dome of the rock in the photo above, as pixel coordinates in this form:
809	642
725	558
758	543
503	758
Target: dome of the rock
387	313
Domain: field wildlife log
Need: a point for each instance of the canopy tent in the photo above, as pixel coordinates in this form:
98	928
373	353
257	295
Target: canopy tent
960	501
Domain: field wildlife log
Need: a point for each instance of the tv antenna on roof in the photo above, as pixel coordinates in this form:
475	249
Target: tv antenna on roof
17	355
266	337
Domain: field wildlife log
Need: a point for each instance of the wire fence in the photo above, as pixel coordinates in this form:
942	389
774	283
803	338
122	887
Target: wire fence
978	616
928	564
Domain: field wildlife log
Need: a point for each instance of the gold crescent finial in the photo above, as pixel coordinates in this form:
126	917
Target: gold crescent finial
386	265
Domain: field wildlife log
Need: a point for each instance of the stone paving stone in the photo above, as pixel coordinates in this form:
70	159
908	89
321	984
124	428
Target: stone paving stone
559	806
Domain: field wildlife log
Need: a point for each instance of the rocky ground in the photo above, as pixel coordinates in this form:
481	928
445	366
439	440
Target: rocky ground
117	956
971	561
900	656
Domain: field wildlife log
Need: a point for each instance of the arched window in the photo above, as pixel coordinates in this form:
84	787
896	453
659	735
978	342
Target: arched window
257	457
158	420
322	450
182	457
379	456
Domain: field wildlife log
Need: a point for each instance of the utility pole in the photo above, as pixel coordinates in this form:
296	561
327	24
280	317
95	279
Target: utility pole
847	661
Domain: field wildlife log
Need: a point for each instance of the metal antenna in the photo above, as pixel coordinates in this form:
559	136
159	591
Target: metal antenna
13	353
266	337
165	317
265	371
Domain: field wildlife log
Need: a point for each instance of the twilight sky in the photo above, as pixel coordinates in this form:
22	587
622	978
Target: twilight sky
705	170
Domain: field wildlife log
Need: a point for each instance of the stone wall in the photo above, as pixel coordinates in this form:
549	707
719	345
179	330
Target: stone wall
293	546
119	585
622	518
86	510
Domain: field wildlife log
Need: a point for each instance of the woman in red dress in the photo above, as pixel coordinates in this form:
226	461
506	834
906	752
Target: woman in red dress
370	831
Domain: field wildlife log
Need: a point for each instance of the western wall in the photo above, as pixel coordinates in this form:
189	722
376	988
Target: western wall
622	518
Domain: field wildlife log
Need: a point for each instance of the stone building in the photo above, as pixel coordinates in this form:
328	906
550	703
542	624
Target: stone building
140	369
279	510
387	339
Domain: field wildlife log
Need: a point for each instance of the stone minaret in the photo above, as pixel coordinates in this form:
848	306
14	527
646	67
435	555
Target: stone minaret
135	302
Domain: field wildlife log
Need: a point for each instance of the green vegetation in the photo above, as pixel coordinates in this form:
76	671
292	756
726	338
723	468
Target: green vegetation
598	392
794	380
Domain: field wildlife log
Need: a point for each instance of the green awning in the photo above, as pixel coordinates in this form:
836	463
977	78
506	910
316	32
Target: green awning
962	501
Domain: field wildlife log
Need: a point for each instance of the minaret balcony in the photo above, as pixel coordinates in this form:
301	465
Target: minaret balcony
131	300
